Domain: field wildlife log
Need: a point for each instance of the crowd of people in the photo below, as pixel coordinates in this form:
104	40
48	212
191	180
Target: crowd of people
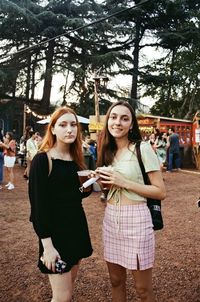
57	214
9	153
167	148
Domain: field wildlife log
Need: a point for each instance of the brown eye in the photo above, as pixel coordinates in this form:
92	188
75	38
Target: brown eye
62	125
74	124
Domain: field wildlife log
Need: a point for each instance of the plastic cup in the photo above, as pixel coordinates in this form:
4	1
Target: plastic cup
85	181
106	187
83	175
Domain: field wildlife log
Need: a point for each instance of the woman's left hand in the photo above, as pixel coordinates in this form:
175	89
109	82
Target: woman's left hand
110	176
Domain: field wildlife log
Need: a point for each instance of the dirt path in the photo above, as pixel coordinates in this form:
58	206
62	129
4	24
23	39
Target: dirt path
176	275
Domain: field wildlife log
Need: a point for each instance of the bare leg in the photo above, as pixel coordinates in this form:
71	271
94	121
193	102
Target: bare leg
74	272
7	174
28	167
143	284
62	285
11	172
118	281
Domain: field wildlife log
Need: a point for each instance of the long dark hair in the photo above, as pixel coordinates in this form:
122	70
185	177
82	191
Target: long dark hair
107	147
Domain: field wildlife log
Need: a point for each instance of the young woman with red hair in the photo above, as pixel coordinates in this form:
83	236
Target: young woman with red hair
56	203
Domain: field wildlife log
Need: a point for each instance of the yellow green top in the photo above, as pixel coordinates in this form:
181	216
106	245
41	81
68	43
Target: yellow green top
129	167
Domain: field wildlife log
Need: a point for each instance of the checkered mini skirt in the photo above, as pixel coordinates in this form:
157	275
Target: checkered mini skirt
128	236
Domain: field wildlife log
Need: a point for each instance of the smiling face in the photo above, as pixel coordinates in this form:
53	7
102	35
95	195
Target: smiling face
65	129
120	122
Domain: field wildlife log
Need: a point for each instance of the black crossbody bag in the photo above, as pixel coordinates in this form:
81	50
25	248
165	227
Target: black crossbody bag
154	205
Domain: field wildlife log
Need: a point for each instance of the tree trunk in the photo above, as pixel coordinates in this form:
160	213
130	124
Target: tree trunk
170	82
28	72
34	65
134	87
185	98
48	76
64	102
191	103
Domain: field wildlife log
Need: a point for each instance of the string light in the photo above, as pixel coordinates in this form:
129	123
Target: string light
28	110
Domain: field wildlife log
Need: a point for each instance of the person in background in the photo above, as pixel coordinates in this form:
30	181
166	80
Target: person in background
56	203
151	141
166	138
156	132
85	140
1	160
160	146
38	139
31	150
128	235
88	157
9	147
93	149
22	143
173	150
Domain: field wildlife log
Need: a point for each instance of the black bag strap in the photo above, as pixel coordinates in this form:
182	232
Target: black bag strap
139	157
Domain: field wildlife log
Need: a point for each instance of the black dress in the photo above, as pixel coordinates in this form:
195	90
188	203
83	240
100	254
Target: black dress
56	209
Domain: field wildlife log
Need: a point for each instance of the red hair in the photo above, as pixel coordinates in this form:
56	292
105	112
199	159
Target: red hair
49	139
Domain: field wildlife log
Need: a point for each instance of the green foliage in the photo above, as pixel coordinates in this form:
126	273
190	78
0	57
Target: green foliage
110	47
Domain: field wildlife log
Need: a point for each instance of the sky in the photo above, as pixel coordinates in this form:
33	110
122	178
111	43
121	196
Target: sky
147	54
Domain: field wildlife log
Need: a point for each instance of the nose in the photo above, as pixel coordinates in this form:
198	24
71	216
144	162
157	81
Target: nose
117	121
69	129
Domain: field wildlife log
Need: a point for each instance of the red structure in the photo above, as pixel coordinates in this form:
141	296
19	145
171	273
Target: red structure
184	128
188	131
196	139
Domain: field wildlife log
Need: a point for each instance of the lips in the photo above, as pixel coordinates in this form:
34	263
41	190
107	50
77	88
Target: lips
117	129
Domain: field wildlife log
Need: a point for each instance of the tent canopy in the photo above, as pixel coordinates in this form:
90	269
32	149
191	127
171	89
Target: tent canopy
81	119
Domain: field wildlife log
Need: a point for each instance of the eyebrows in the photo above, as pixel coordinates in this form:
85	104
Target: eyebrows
113	114
66	122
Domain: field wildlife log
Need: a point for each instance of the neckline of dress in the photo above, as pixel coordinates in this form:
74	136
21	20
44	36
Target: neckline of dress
56	158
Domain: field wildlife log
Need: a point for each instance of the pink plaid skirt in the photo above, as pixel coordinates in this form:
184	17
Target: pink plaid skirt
128	235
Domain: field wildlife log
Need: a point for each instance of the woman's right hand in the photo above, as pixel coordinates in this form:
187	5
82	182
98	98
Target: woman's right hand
50	255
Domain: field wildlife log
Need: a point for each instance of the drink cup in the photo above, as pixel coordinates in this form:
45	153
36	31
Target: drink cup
106	187
85	181
83	175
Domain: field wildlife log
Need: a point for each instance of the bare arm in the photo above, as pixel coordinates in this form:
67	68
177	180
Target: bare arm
3	145
155	190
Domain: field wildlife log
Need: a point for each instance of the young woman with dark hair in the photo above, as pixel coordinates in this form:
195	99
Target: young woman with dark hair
9	147
128	234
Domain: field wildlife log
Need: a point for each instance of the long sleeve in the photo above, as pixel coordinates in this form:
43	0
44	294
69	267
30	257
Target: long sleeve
38	195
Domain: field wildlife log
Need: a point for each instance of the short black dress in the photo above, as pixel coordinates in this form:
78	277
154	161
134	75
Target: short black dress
56	209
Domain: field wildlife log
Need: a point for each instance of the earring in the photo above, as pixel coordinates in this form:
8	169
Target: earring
130	130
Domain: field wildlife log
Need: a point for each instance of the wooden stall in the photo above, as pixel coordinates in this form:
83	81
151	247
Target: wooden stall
184	128
196	139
